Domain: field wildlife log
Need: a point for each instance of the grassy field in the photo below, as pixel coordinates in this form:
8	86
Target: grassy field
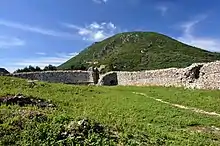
135	119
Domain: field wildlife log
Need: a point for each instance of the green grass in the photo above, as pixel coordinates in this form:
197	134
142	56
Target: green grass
116	107
141	51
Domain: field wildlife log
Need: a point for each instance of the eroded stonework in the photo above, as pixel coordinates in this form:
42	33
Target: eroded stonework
198	75
109	79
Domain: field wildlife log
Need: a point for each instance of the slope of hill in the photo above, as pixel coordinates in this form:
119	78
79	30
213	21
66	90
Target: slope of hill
133	51
3	71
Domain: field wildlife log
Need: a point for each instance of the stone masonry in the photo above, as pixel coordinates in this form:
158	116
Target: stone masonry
67	77
198	75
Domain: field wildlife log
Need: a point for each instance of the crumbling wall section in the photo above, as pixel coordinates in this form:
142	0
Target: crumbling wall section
198	75
209	76
109	79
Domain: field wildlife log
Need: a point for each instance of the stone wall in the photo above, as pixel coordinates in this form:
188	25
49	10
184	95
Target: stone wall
68	77
209	77
110	79
198	75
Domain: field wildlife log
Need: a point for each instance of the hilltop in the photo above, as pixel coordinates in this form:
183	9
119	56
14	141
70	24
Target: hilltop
134	51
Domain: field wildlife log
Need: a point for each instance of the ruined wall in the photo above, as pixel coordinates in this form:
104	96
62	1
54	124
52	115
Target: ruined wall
209	77
68	77
110	79
156	77
198	75
163	77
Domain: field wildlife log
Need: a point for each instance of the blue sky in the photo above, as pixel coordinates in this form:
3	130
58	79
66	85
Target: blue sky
42	32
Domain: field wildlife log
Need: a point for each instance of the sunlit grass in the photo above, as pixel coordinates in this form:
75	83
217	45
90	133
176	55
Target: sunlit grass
111	106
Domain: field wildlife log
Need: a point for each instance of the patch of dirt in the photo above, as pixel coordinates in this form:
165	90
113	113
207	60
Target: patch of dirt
21	100
201	129
31	114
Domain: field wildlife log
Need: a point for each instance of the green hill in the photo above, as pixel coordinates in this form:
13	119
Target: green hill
133	51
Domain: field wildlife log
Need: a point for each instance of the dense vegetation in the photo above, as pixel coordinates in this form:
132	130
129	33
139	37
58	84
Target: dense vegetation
3	71
133	119
37	68
134	51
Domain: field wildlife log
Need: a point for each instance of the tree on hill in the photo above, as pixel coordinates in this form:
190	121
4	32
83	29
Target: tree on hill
3	71
50	68
37	68
28	69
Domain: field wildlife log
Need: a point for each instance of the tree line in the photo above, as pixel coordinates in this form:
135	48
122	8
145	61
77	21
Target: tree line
37	68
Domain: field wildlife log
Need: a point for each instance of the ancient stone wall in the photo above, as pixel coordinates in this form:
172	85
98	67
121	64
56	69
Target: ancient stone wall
209	77
68	77
198	75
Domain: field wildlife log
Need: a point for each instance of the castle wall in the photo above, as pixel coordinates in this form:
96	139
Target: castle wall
209	76
68	77
198	75
156	77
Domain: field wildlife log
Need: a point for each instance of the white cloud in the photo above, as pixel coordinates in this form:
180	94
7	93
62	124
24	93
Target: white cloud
188	36
73	54
92	32
100	1
36	29
163	9
8	42
95	31
43	61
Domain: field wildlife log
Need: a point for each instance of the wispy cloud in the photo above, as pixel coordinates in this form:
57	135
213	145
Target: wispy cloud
42	61
95	31
36	29
188	26
100	1
188	36
8	42
41	53
162	8
92	32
